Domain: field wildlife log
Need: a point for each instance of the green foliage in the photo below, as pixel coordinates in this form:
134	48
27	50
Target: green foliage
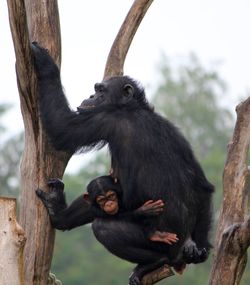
3	109
190	96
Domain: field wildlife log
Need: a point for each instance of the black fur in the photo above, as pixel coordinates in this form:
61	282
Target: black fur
62	216
150	157
142	215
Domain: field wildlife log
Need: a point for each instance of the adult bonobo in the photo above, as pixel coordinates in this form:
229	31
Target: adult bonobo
150	157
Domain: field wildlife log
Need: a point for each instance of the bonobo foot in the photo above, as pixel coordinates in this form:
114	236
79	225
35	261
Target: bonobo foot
166	237
134	280
54	200
192	254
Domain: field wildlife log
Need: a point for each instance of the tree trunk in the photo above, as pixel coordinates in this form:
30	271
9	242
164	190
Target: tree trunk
233	232
12	240
39	160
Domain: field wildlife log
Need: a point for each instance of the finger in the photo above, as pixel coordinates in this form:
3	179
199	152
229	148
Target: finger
154	203
148	202
154	206
166	234
41	194
172	236
51	182
53	179
158	203
174	239
157	209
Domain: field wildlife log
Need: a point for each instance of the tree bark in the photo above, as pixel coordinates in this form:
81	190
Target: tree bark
157	275
120	47
12	240
35	21
233	232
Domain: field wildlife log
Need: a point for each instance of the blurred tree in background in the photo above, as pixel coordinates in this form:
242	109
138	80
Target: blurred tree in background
191	97
10	150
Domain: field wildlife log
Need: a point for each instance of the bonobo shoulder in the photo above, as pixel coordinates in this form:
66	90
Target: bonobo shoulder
44	64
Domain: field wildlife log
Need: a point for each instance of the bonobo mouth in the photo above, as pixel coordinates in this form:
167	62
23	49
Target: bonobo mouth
84	107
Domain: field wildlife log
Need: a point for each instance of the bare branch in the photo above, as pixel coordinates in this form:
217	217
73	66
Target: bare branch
245	233
232	237
119	49
236	171
157	275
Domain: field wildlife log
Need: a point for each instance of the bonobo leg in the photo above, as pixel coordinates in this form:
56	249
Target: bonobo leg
64	217
197	249
203	224
128	241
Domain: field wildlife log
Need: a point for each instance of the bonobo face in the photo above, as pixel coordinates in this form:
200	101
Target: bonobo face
114	91
108	202
100	97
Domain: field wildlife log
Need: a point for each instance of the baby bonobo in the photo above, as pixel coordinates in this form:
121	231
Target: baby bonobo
105	196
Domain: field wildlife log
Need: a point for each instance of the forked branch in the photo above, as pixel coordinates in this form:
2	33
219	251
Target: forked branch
120	47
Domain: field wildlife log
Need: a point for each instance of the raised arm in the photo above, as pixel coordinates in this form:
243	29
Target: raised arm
68	130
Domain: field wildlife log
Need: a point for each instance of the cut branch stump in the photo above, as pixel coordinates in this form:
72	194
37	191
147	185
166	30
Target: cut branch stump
12	240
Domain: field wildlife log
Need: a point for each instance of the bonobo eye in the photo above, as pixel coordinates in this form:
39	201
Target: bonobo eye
101	200
129	90
99	87
111	196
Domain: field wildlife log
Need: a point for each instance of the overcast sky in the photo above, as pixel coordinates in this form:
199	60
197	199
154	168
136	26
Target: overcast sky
215	30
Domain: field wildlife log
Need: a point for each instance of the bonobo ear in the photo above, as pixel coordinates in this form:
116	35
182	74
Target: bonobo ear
129	90
86	197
